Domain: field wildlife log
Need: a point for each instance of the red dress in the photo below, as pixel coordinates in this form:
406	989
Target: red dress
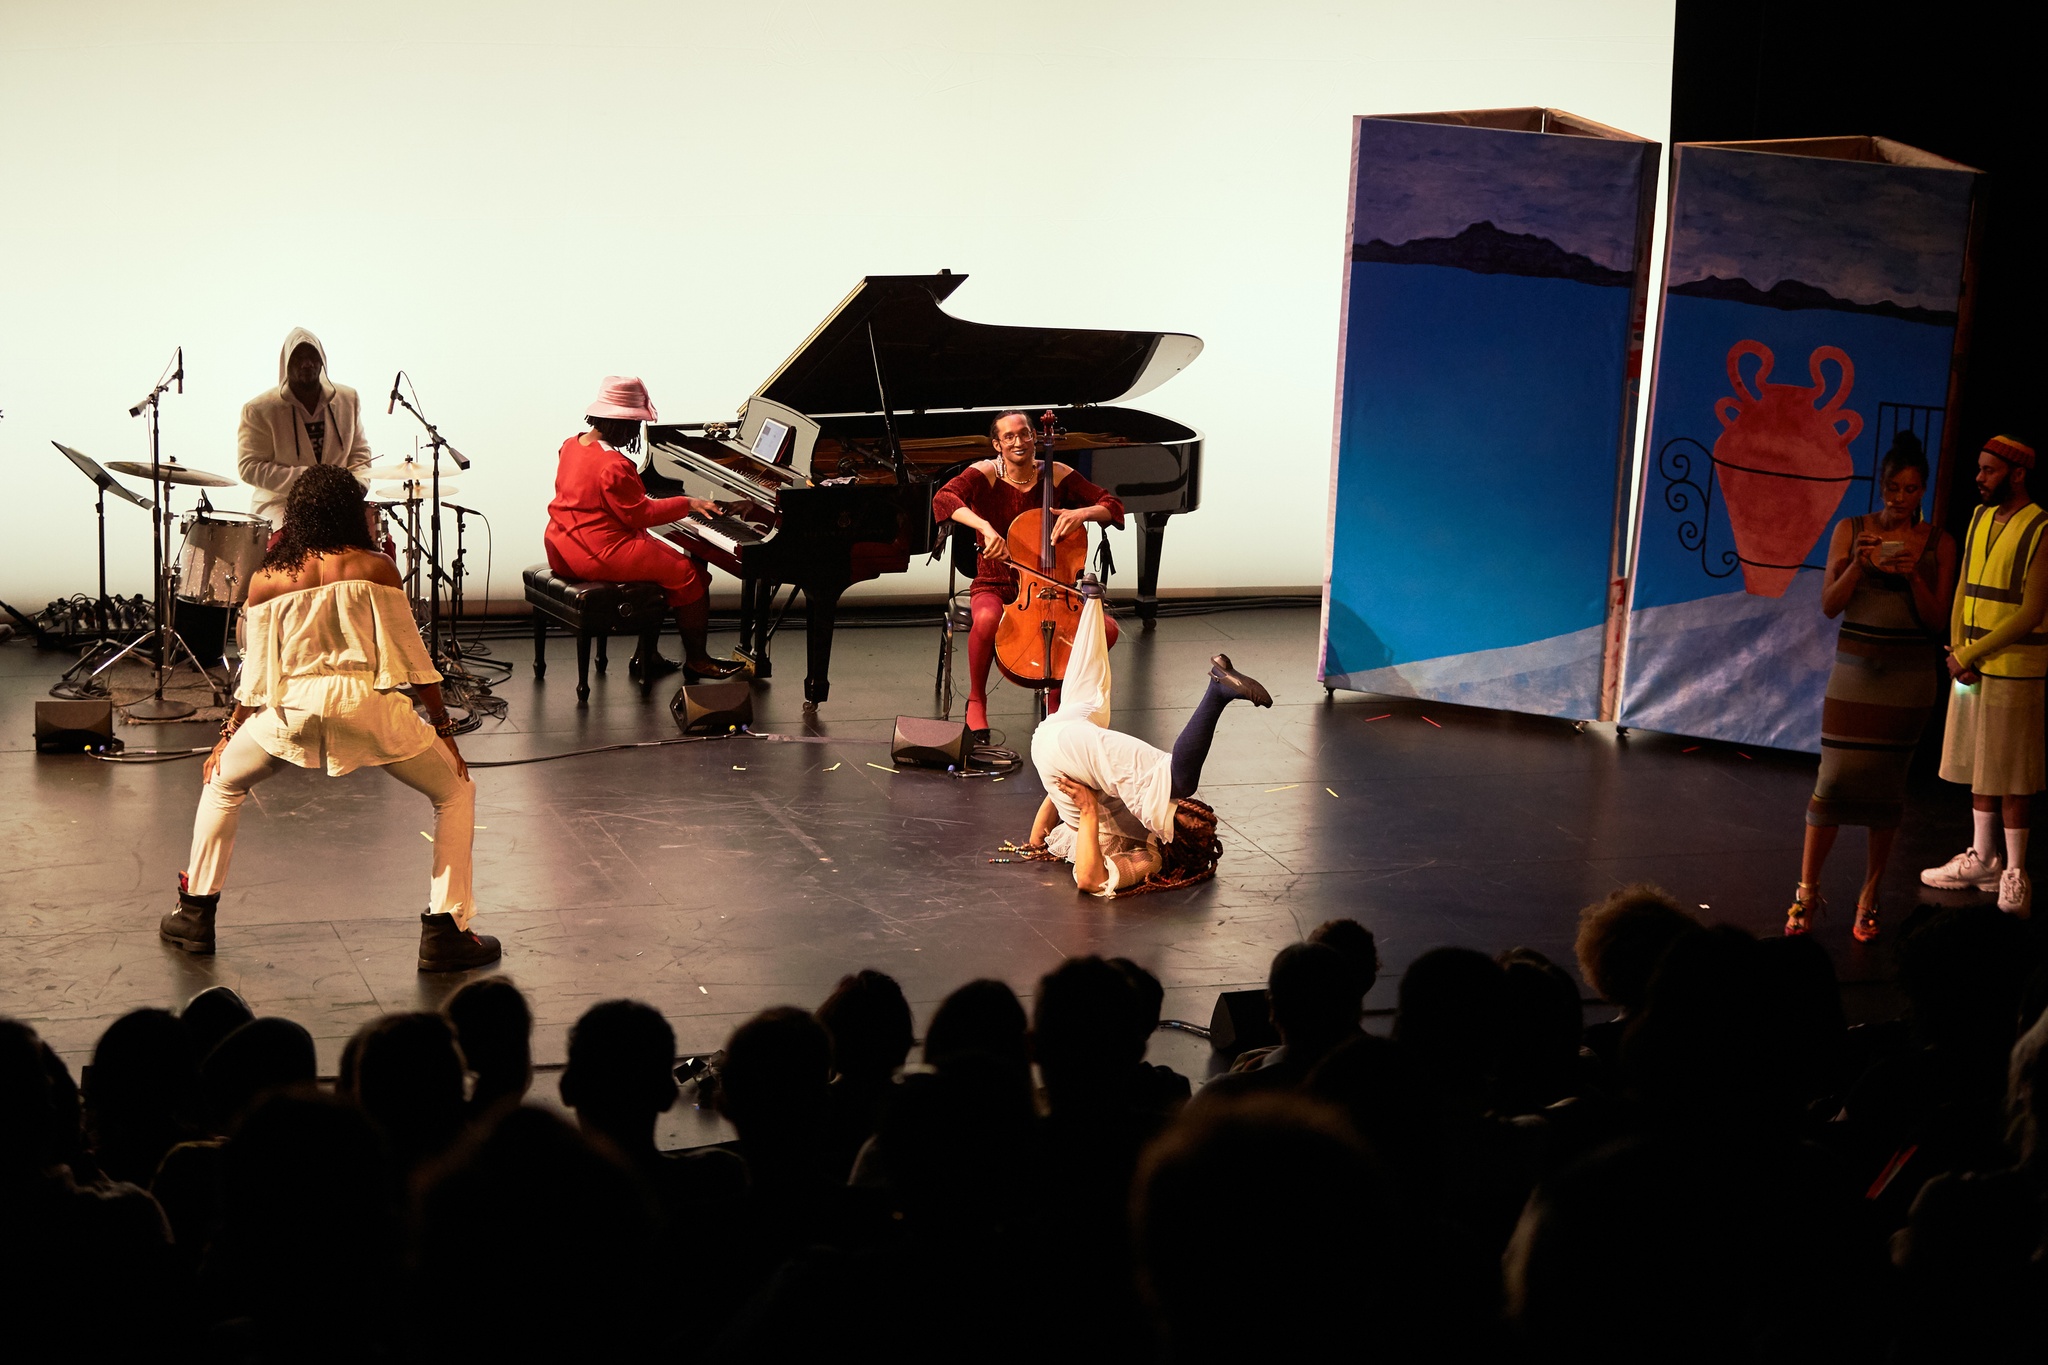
983	490
597	524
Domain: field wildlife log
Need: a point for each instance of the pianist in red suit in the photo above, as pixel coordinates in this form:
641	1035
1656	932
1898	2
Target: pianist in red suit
597	525
986	497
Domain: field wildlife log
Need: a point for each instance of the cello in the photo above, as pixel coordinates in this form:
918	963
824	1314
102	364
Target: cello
1036	633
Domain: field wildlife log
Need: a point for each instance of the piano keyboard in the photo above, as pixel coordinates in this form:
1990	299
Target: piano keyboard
725	532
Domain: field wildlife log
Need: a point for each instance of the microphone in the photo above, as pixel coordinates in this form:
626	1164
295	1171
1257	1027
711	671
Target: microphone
180	376
392	406
458	507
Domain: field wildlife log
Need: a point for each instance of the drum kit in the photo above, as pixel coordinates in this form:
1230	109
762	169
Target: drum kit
205	584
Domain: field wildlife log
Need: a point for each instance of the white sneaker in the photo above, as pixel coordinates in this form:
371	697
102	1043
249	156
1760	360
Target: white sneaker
1964	872
2015	892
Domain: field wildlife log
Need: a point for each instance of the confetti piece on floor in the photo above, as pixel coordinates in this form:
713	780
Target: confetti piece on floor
999	779
880	769
1381	716
1740	754
479	826
428	837
1288	788
1693	750
1333	793
1433	723
701	989
833	769
737	768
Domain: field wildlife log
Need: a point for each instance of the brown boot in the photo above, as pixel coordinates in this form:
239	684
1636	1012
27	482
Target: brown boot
190	926
445	948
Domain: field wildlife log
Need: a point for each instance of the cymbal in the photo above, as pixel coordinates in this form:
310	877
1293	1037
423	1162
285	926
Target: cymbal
414	492
169	471
411	471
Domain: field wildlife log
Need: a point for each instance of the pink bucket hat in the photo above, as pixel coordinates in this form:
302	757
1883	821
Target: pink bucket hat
622	396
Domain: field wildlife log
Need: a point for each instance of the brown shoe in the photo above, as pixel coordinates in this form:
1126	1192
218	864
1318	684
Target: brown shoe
1251	689
713	670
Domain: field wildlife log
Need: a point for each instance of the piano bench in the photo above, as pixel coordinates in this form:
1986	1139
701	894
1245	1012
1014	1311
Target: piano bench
594	610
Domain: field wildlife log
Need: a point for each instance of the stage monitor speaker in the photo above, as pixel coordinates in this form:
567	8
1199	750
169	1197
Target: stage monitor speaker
71	727
1241	1022
929	743
712	708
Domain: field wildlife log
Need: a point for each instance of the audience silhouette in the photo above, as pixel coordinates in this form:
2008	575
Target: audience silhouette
1723	1170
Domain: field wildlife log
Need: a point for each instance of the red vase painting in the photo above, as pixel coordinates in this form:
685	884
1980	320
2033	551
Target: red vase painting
1783	462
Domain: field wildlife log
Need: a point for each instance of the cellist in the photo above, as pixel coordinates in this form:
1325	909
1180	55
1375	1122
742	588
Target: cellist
986	497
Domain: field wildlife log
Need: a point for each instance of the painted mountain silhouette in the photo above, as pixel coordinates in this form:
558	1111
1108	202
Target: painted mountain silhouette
1485	250
1791	295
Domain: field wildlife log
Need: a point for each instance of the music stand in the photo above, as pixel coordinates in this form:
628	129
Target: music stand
106	483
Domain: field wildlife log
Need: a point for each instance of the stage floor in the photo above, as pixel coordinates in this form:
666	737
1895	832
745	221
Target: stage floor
715	879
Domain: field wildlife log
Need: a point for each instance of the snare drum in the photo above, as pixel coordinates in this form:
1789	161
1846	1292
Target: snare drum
222	552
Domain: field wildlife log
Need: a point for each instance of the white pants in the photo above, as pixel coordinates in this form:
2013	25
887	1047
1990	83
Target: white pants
244	763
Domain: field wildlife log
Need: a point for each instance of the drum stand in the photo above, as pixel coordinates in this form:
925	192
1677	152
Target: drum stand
164	641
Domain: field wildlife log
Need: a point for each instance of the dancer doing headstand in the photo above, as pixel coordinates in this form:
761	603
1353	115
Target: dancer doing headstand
986	497
597	527
1120	810
331	640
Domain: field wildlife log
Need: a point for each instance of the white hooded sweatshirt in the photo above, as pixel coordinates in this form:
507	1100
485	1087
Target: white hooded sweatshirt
274	445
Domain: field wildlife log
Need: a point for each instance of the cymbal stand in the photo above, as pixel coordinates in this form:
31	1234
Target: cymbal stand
164	641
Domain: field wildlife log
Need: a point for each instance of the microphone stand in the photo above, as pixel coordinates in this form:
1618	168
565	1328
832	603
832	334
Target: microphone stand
162	636
435	576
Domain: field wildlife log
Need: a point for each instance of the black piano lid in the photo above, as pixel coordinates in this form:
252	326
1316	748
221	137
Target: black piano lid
933	360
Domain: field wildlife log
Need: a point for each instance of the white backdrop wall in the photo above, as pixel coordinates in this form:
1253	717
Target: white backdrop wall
510	200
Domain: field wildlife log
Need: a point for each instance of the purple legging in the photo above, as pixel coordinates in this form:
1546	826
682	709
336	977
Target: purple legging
1191	750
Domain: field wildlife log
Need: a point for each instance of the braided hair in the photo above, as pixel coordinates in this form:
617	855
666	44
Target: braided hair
1193	854
323	514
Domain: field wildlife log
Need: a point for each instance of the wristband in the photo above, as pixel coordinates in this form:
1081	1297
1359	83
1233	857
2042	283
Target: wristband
446	727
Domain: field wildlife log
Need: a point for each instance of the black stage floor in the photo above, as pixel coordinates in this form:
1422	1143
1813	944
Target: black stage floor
715	879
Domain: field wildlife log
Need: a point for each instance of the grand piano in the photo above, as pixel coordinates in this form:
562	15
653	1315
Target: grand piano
826	476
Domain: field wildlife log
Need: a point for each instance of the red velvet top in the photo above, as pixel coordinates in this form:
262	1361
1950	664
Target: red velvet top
984	491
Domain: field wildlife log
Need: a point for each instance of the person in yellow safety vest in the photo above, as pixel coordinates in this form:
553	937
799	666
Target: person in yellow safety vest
1998	657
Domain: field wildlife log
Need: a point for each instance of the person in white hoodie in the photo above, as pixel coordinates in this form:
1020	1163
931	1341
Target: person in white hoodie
307	419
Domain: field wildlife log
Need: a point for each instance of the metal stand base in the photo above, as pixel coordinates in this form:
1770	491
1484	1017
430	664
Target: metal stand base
159	708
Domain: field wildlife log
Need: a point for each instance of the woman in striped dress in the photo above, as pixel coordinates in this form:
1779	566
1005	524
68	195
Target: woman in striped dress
1889	578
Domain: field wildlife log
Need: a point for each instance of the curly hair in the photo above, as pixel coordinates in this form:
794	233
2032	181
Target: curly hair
323	513
1193	854
1623	937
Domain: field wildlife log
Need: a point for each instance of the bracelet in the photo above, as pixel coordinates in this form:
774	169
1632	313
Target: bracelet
446	727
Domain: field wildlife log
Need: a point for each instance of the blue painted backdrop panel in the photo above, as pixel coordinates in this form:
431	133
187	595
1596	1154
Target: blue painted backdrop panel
1490	314
1870	256
1475	462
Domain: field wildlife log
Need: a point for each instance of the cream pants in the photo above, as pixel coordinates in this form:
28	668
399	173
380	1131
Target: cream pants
244	763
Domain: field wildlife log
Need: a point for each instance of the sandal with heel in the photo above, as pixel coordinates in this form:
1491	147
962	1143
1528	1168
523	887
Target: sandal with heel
1866	926
1807	906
